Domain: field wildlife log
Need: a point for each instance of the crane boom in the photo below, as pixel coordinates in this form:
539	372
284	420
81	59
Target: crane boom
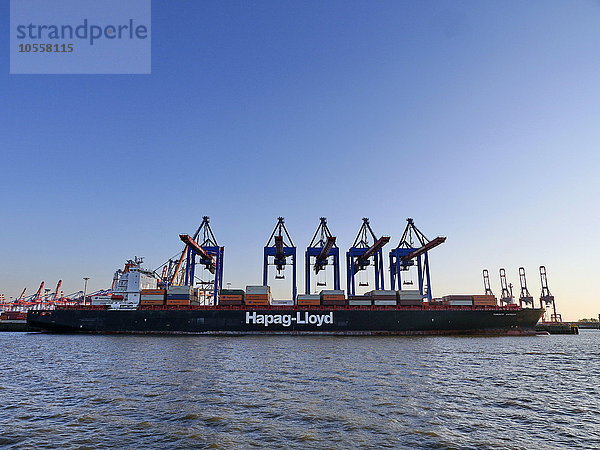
208	260
178	266
57	289
326	248
379	243
38	294
428	246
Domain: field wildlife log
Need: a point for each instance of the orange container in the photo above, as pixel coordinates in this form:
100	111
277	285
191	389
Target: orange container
179	302
231	297
257	297
257	302
309	302
152	291
333	297
152	302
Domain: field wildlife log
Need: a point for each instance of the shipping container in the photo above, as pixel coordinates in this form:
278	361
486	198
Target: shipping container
231	292
178	302
309	302
258	289
178	297
308	297
282	302
332	292
360	302
459	302
381	293
379	302
152	292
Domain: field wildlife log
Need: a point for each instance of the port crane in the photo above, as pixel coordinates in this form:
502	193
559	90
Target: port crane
408	254
320	252
506	296
546	298
486	283
366	247
210	256
525	297
280	247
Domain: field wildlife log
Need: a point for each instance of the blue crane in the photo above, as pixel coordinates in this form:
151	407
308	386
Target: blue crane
279	247
412	250
322	249
366	247
209	252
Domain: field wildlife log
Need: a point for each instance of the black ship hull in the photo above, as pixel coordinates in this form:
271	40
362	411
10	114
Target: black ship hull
338	321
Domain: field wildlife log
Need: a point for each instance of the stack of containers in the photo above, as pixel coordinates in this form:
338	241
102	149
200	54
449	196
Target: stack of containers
258	295
179	295
152	297
383	298
458	300
484	300
333	298
410	297
359	300
309	300
231	297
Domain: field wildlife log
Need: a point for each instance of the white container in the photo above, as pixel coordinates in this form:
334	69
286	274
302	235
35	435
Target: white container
360	302
258	289
460	302
178	290
282	302
384	302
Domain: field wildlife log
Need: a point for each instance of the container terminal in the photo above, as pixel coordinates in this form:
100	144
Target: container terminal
172	299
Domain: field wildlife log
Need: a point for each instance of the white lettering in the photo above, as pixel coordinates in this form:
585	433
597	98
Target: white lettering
252	318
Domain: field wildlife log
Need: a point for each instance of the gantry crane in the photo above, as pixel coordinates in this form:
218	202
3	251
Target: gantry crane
486	283
525	297
279	247
413	245
37	297
506	296
323	249
57	291
546	298
366	247
203	245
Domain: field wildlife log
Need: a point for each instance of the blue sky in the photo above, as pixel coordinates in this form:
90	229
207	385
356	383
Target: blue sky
477	119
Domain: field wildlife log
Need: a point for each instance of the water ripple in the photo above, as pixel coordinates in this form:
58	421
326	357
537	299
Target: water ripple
299	392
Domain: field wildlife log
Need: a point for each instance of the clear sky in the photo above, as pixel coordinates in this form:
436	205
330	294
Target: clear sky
478	119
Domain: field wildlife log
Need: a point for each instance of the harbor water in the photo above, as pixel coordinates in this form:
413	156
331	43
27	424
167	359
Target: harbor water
91	391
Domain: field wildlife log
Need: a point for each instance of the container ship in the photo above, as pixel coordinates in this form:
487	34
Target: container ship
172	300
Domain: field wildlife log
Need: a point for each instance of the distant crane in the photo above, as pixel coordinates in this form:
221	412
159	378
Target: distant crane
37	297
546	298
525	297
324	250
279	247
366	247
506	296
413	245
57	291
486	283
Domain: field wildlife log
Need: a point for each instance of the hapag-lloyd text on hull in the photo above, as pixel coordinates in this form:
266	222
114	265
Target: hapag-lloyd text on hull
286	320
